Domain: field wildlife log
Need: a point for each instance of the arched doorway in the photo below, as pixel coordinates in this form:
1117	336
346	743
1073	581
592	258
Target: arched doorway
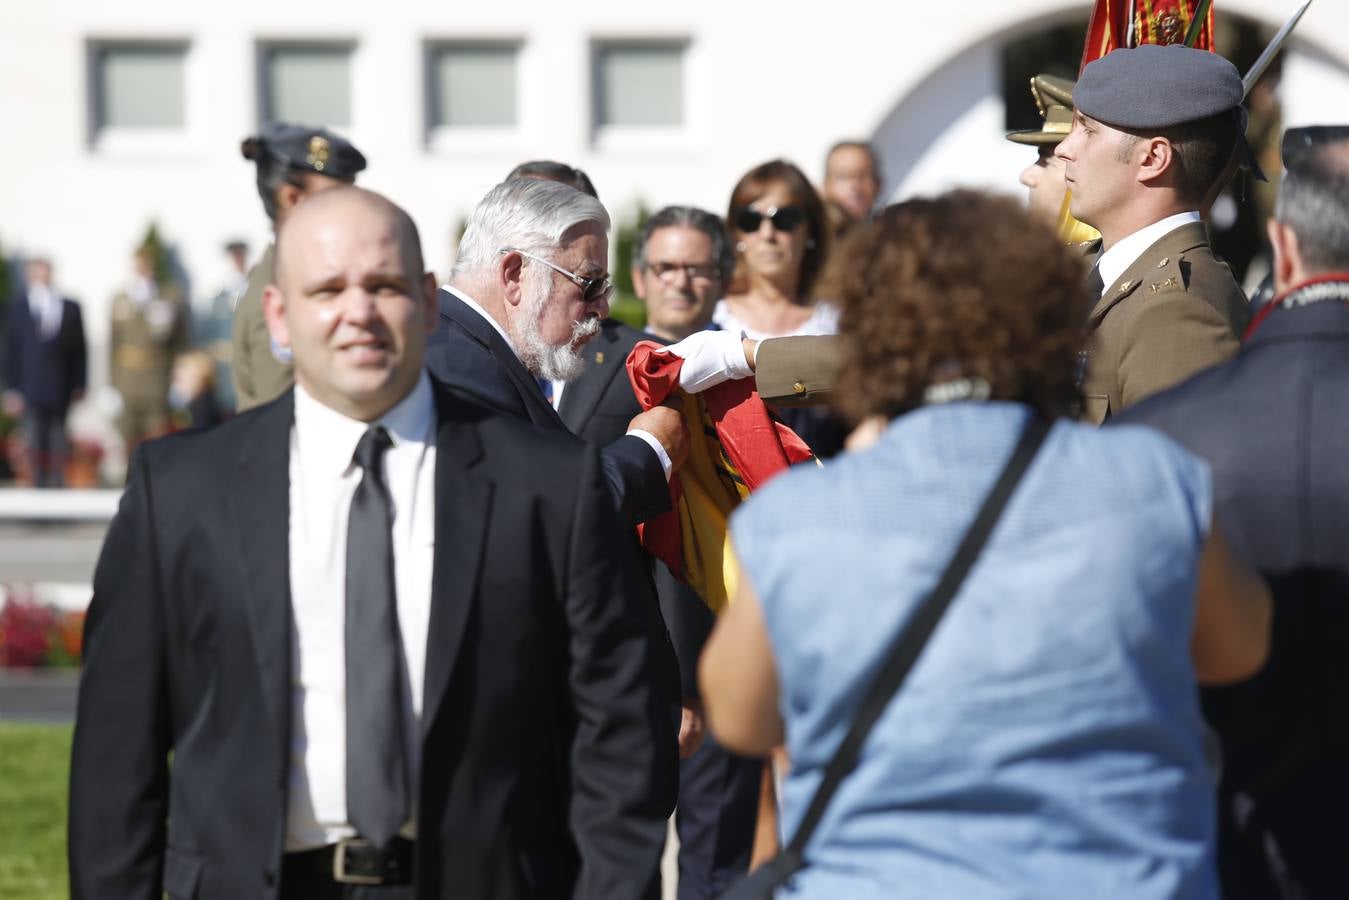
948	130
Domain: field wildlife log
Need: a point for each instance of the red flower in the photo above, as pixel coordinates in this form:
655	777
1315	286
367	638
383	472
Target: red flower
25	633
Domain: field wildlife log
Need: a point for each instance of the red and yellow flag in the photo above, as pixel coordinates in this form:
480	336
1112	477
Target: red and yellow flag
1129	23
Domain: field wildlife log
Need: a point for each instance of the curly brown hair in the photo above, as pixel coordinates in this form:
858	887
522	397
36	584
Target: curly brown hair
965	285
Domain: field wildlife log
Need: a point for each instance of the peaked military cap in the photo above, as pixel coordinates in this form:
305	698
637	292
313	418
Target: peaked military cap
303	147
1155	86
1054	99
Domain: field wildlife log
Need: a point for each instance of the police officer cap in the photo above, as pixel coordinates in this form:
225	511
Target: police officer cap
302	147
1156	86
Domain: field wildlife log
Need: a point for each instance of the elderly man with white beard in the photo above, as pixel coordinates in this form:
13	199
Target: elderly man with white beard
528	290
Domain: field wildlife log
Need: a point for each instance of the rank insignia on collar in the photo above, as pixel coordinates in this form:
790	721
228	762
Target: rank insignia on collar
319	150
1125	286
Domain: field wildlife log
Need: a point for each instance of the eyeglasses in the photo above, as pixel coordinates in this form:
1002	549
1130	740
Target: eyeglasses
1299	142
667	271
784	218
593	290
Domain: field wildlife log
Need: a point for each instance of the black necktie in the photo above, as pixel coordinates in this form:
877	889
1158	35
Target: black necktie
377	789
1095	285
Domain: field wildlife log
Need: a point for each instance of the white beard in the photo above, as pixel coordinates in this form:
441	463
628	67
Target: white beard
543	360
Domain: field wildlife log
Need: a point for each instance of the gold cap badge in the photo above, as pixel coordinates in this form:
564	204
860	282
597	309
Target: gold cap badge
319	150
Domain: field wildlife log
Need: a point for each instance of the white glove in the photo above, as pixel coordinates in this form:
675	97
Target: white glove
710	357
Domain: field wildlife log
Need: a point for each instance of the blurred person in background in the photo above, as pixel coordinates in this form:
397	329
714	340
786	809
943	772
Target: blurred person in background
1047	191
46	370
213	332
294	162
852	178
192	392
1048	742
552	170
1271	423
149	328
681	259
781	236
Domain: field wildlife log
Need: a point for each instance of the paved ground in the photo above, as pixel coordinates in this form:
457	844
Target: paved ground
37	696
49	551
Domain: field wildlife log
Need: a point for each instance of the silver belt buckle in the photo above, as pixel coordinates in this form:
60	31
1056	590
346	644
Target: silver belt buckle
340	873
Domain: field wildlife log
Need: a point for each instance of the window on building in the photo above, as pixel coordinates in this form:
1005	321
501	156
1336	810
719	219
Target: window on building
472	85
307	83
639	84
138	86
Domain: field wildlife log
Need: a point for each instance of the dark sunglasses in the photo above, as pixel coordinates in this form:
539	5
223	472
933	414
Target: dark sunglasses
784	218
1299	142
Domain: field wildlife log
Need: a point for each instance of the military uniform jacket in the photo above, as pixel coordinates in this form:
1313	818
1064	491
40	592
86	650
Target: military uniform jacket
1176	311
798	371
145	338
259	377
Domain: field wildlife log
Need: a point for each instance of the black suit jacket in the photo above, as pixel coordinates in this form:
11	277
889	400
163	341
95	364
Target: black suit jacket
545	771
468	354
46	371
598	406
1272	425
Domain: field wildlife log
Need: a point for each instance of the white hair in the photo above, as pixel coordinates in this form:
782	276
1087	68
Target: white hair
563	362
526	214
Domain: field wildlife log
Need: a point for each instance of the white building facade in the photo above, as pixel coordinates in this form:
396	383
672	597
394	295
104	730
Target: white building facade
119	114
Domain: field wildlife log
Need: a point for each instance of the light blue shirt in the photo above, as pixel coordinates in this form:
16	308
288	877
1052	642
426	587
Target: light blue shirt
1048	743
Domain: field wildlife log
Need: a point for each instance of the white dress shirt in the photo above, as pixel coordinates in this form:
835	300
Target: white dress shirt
323	480
1126	251
666	464
45	306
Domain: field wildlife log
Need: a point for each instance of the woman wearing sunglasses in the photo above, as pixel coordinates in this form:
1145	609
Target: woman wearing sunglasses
778	226
781	236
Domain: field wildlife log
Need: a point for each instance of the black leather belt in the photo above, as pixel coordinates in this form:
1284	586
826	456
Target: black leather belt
354	861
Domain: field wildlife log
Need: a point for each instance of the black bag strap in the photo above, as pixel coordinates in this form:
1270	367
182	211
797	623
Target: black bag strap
911	640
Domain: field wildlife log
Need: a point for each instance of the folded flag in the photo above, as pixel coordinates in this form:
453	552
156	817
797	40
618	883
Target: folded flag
735	446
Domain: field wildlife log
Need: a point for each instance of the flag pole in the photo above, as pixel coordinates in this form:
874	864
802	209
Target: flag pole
1197	22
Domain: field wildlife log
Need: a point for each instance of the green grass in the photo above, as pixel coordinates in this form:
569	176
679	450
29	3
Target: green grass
34	763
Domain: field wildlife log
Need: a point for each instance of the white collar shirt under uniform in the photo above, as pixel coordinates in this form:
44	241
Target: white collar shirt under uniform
323	479
1126	251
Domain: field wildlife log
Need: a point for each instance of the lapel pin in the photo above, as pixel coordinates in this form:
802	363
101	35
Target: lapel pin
599	356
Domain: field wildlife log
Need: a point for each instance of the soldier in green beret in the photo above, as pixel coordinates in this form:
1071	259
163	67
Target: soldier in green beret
294	161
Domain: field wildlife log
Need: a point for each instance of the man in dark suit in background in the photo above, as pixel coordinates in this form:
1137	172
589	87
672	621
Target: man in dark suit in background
681	259
46	370
379	629
1272	424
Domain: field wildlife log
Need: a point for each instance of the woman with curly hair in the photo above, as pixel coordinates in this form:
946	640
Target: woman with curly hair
1048	741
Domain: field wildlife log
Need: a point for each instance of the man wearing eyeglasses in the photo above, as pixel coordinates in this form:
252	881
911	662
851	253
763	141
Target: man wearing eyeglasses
1271	424
528	291
681	259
